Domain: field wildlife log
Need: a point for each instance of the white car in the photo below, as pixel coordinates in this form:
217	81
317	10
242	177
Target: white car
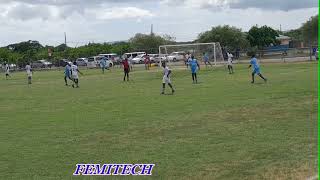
46	63
156	58
97	59
91	62
82	61
139	59
176	56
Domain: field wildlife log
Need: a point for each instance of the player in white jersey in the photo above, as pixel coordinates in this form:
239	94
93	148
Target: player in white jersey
166	78
74	74
7	70
187	59
230	66
29	72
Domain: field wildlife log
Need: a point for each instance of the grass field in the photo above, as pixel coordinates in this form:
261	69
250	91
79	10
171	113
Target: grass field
222	128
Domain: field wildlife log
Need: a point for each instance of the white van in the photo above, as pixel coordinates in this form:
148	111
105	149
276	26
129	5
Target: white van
133	54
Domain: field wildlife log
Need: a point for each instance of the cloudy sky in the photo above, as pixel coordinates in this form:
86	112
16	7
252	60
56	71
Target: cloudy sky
112	20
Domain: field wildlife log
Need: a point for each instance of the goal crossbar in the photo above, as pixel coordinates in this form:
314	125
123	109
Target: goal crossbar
173	45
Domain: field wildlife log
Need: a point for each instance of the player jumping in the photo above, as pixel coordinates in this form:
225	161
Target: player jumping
256	68
194	65
74	74
166	78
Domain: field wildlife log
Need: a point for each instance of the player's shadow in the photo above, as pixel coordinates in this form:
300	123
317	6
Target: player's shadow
259	83
167	94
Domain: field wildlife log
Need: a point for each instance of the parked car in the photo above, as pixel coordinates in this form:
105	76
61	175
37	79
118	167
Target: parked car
138	59
82	61
62	62
97	60
92	63
176	56
112	57
156	58
37	64
46	63
132	54
12	66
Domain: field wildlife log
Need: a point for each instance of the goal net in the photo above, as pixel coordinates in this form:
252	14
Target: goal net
179	52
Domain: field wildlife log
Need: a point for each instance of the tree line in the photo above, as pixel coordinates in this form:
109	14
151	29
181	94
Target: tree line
231	38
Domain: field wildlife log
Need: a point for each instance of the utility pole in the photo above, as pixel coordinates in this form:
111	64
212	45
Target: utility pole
151	33
65	38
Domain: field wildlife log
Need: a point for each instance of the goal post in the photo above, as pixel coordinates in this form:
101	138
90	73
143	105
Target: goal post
178	52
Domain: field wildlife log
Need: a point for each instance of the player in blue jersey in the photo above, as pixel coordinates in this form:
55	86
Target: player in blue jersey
103	63
256	68
194	65
205	59
67	74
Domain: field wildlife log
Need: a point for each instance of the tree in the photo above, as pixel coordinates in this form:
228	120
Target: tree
310	30
149	43
25	46
295	34
230	37
262	37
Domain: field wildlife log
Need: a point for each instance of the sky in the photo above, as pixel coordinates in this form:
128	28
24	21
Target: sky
116	20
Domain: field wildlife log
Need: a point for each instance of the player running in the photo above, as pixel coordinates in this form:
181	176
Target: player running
7	69
29	72
205	59
166	78
74	74
255	68
126	69
194	65
230	66
67	74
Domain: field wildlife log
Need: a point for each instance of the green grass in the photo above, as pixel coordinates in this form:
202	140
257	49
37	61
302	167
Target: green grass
222	128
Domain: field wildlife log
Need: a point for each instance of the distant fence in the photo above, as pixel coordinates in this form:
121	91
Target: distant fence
281	54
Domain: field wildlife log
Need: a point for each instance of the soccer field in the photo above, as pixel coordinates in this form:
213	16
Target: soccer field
222	128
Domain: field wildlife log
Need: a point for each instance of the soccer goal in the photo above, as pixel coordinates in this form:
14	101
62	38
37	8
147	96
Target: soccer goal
179	52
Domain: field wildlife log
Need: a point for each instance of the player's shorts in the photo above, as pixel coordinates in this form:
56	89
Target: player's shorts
166	80
75	77
256	71
7	72
126	70
193	70
29	74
